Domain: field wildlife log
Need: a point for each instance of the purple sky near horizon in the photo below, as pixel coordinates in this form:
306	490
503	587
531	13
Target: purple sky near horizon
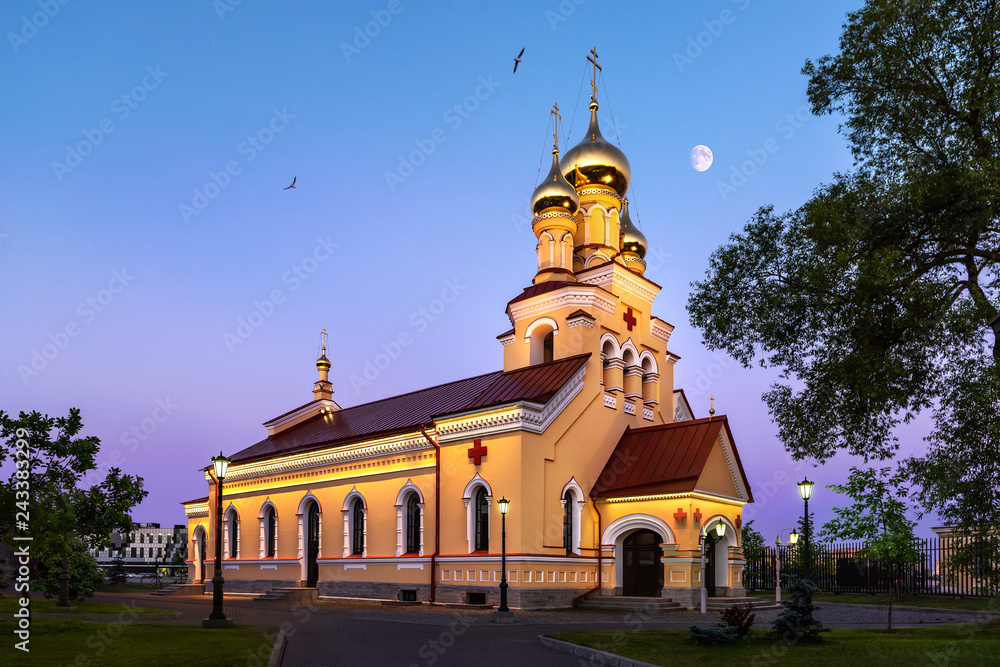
160	278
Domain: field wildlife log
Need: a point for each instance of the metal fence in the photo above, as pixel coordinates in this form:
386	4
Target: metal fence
837	568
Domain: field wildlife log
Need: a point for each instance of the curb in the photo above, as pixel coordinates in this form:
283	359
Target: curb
929	610
592	654
278	652
108	618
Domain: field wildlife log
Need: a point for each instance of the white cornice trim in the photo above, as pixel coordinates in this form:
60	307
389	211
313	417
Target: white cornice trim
727	452
581	296
300	412
196	510
613	275
660	329
372	449
521	416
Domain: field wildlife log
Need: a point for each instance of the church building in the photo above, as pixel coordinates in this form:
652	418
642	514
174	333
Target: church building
611	481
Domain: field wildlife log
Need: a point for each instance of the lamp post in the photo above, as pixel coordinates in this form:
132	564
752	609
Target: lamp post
793	537
217	619
503	614
720	530
806	491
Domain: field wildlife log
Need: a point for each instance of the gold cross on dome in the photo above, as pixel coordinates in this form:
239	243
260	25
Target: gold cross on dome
555	123
593	77
323	337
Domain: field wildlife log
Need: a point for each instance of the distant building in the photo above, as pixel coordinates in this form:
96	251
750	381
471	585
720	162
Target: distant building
146	546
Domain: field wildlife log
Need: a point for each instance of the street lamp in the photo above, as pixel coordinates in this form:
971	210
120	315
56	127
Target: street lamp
720	530
793	537
503	614
806	491
217	619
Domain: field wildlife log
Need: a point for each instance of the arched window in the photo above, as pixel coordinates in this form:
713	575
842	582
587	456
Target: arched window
482	520
270	533
413	524
232	534
568	522
547	347
358	527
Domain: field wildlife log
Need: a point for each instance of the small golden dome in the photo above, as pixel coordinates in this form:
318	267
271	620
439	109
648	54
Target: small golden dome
555	191
323	362
594	161
633	241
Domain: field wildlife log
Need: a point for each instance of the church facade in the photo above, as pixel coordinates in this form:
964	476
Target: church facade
611	480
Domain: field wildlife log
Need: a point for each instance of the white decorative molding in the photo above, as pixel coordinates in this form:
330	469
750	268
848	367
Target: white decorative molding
580	321
583	296
275	424
616	278
573	488
521	416
373	449
196	510
355	566
268	567
230	567
660	329
629	408
727	452
507	340
409	566
647	413
609	401
541	321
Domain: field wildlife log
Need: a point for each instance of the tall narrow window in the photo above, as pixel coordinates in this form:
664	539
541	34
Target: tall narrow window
547	347
568	522
358	521
482	521
271	534
413	524
234	535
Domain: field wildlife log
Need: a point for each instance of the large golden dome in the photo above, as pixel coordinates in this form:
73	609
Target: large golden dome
594	161
633	241
555	191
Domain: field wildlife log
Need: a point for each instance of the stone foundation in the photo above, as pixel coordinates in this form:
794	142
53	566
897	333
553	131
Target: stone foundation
251	585
372	590
517	598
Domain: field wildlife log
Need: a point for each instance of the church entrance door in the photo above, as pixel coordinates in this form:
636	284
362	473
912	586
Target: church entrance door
642	568
312	546
710	560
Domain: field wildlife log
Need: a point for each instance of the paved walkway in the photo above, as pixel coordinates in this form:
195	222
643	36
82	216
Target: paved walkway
334	633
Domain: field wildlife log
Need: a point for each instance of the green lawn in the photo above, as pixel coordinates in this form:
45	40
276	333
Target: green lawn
58	643
932	601
9	604
957	645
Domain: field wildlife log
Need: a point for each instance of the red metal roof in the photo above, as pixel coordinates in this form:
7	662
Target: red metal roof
408	411
662	459
197	500
541	288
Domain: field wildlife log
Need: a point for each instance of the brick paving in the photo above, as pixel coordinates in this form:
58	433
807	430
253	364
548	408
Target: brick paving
343	633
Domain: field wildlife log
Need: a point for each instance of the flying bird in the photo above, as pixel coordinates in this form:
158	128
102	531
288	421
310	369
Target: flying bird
294	178
518	60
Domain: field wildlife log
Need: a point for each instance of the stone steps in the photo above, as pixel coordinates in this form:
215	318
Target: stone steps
628	603
180	589
758	604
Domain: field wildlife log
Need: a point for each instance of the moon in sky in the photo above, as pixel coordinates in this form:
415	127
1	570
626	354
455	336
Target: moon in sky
701	158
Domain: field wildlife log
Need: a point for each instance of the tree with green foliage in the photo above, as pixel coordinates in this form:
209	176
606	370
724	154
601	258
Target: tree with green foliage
64	514
878	297
878	518
85	577
796	623
753	551
117	574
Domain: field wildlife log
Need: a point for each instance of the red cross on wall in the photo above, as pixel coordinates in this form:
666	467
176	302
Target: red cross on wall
629	319
680	514
697	514
477	451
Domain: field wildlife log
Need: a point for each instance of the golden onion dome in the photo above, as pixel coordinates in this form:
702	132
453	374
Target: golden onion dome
595	161
555	191
633	241
323	362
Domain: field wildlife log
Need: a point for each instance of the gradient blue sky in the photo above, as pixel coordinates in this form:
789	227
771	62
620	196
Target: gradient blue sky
157	335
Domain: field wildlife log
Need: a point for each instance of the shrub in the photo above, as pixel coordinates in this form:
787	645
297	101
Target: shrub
796	623
713	635
739	616
85	577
